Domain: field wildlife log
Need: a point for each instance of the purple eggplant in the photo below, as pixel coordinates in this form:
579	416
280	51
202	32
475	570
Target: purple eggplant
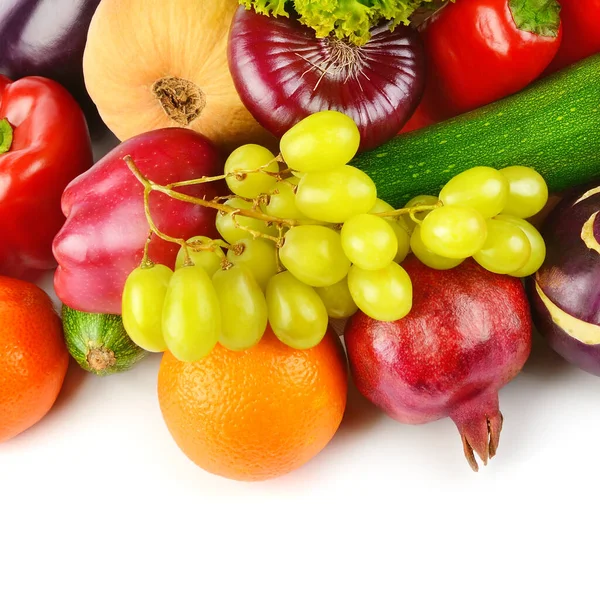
47	37
565	292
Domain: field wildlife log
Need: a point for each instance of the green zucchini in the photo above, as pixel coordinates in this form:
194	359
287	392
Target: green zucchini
99	342
552	126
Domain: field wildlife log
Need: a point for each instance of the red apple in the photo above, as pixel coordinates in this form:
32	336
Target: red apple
103	237
467	335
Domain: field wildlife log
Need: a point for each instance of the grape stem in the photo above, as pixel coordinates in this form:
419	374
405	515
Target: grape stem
216	204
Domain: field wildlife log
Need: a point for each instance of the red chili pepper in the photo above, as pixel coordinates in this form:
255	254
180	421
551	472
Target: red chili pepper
581	32
44	144
479	51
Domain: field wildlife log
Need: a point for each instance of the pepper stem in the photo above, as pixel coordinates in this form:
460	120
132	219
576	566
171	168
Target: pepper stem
541	17
6	136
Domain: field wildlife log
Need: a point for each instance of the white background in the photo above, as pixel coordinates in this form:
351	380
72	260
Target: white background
96	501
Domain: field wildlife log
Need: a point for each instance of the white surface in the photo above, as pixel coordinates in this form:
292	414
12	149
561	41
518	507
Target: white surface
96	501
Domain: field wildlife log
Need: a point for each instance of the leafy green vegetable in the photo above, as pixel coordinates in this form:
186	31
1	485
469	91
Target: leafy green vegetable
350	19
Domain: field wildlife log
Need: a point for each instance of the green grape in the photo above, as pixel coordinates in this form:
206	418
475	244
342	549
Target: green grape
258	255
297	314
536	241
338	300
369	242
397	224
282	202
454	231
336	195
385	295
243	308
226	225
429	258
380	206
209	260
423	200
247	158
320	142
294	179
506	249
482	188
191	318
142	306
403	240
314	255
528	192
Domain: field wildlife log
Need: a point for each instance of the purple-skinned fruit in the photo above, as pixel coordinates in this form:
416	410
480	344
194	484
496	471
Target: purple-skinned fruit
468	334
565	292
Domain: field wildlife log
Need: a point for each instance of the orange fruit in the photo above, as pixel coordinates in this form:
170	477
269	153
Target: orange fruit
255	414
33	356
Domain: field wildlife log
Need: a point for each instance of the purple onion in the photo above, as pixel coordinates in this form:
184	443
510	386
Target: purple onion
284	73
565	292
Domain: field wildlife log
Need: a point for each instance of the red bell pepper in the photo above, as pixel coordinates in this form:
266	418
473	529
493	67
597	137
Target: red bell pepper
479	51
581	35
44	144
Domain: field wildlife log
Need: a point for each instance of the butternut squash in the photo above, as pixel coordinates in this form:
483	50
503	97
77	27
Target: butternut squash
150	64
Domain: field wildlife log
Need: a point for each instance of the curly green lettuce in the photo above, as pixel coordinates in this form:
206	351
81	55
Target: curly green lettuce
346	19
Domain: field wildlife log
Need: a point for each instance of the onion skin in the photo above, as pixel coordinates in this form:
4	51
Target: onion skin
280	70
467	335
565	292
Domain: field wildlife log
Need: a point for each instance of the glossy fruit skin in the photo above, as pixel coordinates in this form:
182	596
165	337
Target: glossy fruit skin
385	294
581	32
51	146
209	260
258	255
337	300
336	195
322	141
99	343
528	192
467	335
46	38
506	249
482	188
569	279
314	255
227	224
512	131
103	238
297	314
369	241
429	258
191	318
225	419
246	158
454	231
144	295
33	356
536	243
270	60
490	59
243	308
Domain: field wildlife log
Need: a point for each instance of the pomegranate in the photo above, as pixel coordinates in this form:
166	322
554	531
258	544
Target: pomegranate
467	335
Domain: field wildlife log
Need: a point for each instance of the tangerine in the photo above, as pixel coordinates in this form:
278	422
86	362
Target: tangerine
33	356
255	414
